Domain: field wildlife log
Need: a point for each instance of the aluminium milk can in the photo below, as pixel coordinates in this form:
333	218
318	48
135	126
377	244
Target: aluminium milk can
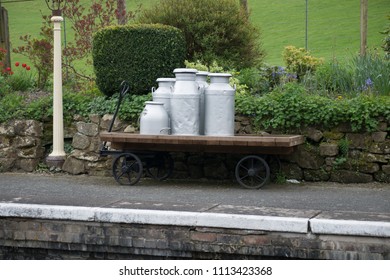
201	79
219	106
185	98
163	92
154	119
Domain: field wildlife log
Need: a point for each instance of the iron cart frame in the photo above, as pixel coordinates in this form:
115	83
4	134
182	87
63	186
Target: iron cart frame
134	153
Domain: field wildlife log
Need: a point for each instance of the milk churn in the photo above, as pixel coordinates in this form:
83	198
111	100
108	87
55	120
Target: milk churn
163	92
185	99
219	106
154	119
201	79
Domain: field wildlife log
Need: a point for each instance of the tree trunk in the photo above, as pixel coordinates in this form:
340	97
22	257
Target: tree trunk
244	5
121	12
363	26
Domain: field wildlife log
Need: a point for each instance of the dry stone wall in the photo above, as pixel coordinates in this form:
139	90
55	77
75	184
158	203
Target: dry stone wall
339	154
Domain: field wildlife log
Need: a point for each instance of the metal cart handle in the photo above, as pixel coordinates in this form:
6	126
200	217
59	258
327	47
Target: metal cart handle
124	88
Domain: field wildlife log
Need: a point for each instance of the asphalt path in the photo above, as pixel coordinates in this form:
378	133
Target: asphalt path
91	191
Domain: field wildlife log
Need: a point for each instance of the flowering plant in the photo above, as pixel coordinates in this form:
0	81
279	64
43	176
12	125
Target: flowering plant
21	80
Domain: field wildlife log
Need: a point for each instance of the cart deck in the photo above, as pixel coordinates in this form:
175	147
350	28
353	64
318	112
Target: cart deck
137	152
240	144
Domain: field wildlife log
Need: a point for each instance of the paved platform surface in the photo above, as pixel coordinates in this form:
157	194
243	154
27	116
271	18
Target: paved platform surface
329	208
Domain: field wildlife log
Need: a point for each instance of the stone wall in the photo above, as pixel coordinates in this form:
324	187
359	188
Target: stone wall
21	145
22	238
339	155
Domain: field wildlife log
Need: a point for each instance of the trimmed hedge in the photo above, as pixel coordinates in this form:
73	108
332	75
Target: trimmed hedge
138	53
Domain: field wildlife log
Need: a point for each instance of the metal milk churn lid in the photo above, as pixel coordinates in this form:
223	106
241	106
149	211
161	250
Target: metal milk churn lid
154	119
185	99
219	106
201	79
163	92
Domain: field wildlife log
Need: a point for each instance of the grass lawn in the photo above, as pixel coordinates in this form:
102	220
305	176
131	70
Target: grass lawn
333	25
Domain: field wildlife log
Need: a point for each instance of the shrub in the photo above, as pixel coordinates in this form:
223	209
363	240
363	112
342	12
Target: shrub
138	53
292	107
11	106
299	61
214	30
255	79
20	77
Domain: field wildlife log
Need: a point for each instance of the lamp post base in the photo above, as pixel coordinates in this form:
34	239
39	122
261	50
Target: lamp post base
55	161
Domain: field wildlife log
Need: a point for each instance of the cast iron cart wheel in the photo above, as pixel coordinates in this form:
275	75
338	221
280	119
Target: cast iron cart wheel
274	164
252	172
127	169
160	166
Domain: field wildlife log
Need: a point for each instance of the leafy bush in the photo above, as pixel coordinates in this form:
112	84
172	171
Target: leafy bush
255	79
292	107
215	68
11	106
299	61
138	53
19	78
214	30
130	109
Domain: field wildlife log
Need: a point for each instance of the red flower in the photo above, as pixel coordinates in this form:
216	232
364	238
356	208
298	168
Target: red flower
28	68
11	73
8	69
24	65
16	64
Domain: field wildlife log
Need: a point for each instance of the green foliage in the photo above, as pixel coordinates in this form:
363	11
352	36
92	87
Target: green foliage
265	79
386	40
342	158
19	78
130	109
371	73
11	106
343	147
4	87
40	109
138	53
216	30
299	61
362	74
255	79
330	77
292	107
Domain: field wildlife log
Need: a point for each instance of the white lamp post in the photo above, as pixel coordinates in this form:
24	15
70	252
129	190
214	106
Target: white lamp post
57	157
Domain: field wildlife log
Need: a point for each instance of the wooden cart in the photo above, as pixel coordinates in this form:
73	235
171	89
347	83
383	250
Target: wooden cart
135	152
